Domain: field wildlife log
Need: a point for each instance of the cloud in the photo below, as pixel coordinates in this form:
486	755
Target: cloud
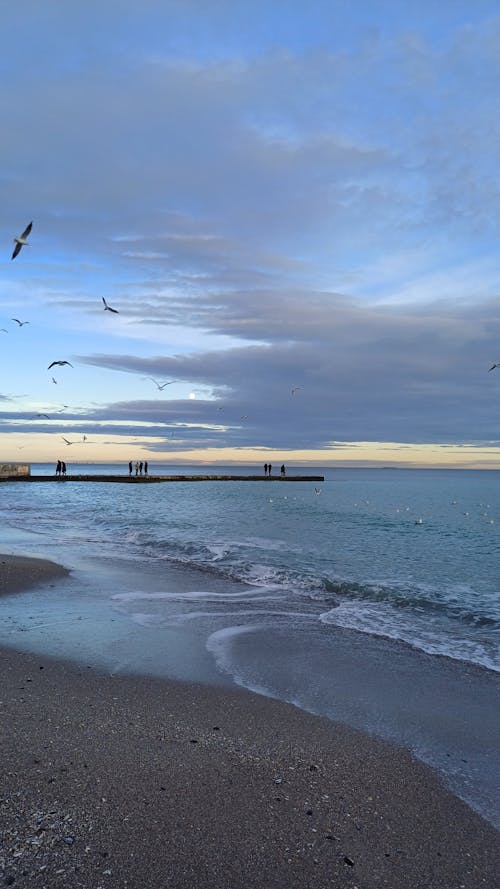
309	213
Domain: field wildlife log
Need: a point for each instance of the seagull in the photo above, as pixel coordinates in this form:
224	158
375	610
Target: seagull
61	364
43	415
317	490
296	389
493	367
21	241
161	386
66	440
3	330
19	322
108	308
54	381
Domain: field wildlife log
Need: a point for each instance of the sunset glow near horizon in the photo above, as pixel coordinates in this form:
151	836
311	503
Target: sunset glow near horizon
293	209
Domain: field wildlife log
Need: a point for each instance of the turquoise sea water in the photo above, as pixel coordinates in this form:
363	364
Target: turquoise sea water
341	596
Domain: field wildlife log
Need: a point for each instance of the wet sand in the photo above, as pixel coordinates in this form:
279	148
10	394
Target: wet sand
18	573
135	782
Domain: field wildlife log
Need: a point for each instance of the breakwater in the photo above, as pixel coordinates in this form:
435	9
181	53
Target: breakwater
153	479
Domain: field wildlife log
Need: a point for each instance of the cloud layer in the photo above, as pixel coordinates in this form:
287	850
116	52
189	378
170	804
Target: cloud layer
270	205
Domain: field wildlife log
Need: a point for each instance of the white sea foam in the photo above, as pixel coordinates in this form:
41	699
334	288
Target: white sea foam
201	595
434	635
219	644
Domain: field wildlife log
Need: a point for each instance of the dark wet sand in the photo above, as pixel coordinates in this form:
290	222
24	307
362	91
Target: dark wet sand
139	783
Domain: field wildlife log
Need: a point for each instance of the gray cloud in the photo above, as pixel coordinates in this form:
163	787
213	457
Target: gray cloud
256	198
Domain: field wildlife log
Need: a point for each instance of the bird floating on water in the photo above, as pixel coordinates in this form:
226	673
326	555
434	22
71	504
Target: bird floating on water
60	363
108	308
21	323
21	241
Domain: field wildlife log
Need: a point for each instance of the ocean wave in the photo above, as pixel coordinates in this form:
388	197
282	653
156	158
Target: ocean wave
433	637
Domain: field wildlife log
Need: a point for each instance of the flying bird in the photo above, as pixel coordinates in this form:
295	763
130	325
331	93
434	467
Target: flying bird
493	366
54	381
21	241
66	440
19	322
3	330
296	389
60	363
161	386
43	415
108	308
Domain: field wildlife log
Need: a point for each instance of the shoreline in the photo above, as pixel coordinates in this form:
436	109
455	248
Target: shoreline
132	781
22	572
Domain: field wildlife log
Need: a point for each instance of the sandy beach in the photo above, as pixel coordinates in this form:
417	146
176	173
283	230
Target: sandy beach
113	781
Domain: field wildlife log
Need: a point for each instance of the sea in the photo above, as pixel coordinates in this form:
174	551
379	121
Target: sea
371	598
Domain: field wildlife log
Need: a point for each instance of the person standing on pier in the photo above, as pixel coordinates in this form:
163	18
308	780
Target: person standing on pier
283	471
58	468
265	468
63	467
269	469
146	467
140	468
136	468
130	468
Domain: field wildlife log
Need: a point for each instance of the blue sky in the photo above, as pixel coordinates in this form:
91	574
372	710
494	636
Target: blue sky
274	197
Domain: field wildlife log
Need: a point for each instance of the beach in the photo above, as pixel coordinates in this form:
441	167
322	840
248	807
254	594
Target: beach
123	781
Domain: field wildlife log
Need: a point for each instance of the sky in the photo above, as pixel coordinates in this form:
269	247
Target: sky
293	207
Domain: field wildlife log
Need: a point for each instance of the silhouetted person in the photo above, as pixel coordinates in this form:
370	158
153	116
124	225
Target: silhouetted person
130	468
282	470
63	467
58	468
265	468
140	468
146	467
270	467
136	468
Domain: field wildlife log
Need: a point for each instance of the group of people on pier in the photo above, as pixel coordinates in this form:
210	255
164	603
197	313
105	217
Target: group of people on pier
268	468
139	467
61	467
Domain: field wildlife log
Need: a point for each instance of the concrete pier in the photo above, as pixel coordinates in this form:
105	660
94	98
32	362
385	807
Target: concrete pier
153	479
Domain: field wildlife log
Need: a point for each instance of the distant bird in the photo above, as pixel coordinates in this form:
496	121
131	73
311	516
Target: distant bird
54	381
60	363
317	490
493	367
66	440
296	389
21	323
21	241
43	415
244	417
108	308
3	330
161	386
